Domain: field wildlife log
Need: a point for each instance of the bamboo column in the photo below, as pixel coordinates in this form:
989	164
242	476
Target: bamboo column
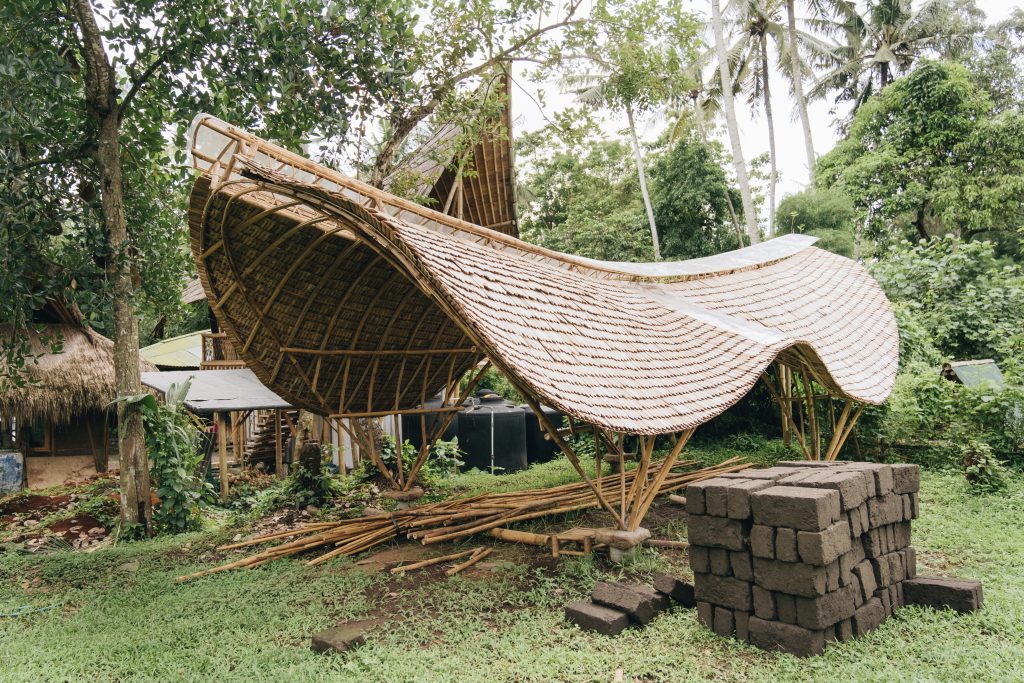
222	453
278	446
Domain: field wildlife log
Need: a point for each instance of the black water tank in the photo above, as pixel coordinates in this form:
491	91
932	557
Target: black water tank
412	424
493	433
539	449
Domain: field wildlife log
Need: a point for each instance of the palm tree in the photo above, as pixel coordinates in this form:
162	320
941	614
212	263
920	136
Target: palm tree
883	43
759	23
730	118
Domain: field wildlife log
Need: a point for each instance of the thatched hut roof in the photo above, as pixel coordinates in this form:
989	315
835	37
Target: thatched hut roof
344	299
78	379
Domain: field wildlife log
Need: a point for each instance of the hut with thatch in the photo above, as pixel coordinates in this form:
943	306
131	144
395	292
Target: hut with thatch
58	419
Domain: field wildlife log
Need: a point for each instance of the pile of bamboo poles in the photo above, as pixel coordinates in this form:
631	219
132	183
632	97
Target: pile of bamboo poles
453	520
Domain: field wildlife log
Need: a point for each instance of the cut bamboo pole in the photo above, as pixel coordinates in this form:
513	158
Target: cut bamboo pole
477	555
432	561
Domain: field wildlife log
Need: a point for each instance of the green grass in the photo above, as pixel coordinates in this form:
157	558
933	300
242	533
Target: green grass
122	618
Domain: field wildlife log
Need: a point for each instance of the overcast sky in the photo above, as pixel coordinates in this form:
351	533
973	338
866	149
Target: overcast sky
753	129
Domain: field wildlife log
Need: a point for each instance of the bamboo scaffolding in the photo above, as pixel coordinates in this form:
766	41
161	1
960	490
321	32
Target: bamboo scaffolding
455	519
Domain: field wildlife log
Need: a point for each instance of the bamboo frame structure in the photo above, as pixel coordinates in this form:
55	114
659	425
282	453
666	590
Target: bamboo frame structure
371	304
808	432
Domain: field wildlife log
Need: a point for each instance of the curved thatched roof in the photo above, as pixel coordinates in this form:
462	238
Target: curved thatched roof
78	379
344	299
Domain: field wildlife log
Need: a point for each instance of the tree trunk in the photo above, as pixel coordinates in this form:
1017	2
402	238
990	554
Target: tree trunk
734	129
643	184
798	87
774	179
101	100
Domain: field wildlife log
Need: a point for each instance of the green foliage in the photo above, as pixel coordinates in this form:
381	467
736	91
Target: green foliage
825	213
960	293
584	199
927	157
308	486
982	469
494	380
172	442
253	65
691	197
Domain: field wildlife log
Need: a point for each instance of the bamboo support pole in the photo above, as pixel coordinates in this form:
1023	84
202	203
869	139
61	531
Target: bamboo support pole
431	562
478	555
222	454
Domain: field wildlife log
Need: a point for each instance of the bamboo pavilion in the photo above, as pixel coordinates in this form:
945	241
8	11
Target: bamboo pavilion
348	301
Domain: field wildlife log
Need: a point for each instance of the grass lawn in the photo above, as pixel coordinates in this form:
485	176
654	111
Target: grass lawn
121	617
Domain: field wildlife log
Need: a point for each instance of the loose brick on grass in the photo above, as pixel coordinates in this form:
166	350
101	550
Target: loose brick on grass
639	606
674	587
597	618
962	595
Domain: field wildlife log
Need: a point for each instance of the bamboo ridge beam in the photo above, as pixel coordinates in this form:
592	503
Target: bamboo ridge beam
450	520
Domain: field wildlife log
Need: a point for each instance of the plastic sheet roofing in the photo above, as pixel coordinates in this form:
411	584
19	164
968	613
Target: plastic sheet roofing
218	390
347	300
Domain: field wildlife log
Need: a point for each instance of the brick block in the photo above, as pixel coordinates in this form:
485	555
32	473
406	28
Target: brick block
768	474
823	547
915	506
858	592
795	507
832	581
762	541
852	485
789	577
722	590
741	565
824	611
716	496
659	600
865	573
785	545
868	617
883	510
901	535
720	561
715	532
905	500
785	607
700	559
774	635
739	497
962	595
906	478
882	475
677	589
764	603
640	606
723	624
597	618
910	561
695	499
815	464
706	614
883	595
742	621
844	630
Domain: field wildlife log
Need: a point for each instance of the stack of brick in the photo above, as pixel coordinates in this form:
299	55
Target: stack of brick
791	557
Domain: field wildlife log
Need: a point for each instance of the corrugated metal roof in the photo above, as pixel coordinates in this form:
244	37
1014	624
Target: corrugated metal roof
215	390
184	351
